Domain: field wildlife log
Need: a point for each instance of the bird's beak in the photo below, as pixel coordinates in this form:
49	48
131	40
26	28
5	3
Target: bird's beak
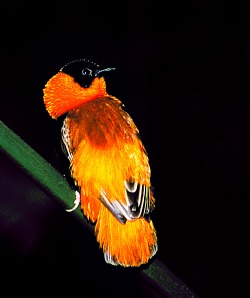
99	72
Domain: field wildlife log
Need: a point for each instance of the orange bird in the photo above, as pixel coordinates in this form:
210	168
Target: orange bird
108	162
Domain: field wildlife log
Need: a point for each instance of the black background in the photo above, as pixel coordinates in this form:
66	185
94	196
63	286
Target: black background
182	73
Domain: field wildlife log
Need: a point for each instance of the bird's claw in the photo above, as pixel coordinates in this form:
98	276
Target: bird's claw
76	202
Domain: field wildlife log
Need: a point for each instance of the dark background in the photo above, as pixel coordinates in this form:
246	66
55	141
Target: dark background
182	73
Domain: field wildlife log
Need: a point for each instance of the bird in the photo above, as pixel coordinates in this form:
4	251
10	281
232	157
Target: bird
107	161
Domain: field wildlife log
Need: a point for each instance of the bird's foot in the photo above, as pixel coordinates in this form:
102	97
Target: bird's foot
76	202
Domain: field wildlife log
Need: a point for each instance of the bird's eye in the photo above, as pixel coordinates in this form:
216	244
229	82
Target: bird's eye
87	72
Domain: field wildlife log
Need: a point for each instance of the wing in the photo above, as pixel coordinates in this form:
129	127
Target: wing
137	203
65	141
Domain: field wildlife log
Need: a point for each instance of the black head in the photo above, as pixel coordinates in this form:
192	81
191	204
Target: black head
84	71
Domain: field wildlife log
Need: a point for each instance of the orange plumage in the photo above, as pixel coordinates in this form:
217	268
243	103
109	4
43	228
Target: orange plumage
108	162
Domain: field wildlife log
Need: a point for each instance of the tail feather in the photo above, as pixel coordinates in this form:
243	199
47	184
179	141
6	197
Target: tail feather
130	244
